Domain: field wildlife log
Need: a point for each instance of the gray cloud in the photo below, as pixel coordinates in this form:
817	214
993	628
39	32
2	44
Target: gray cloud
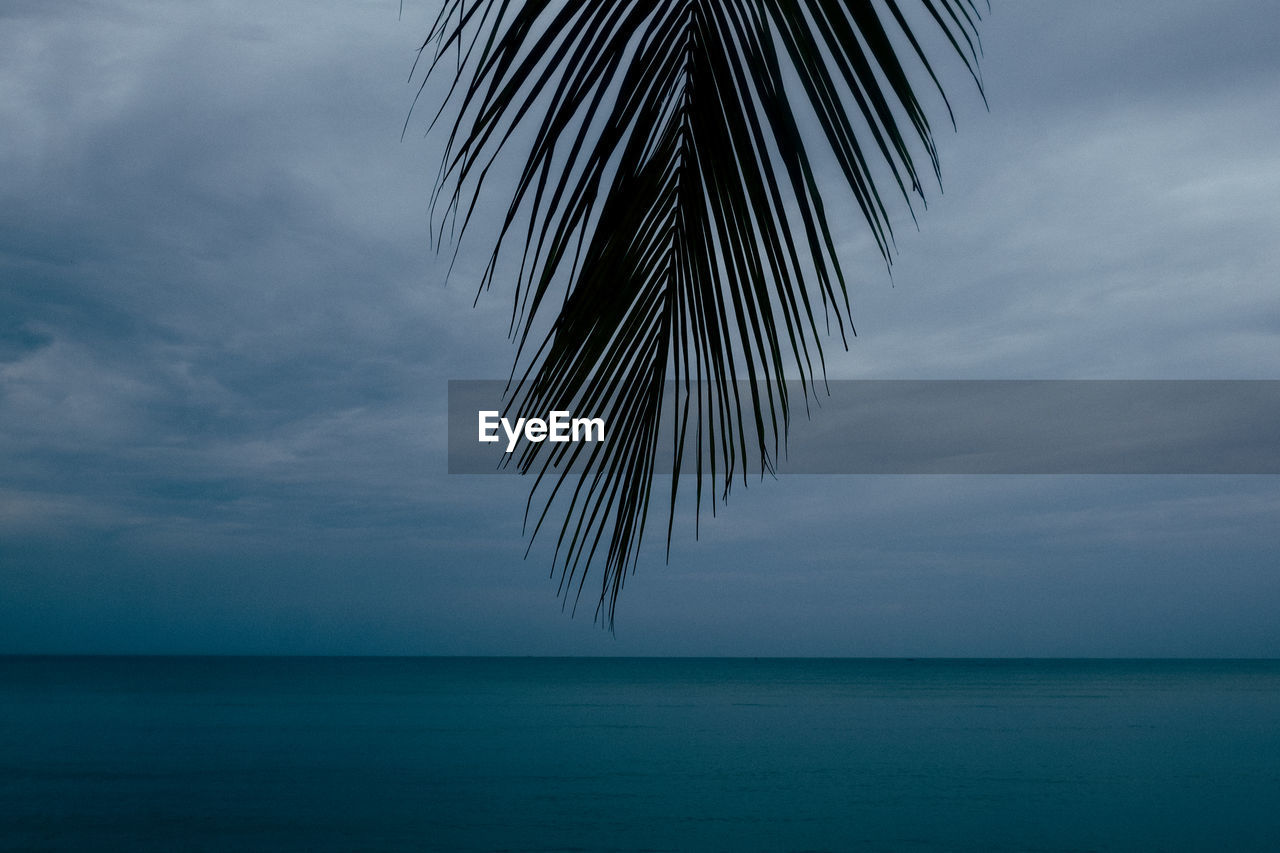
225	341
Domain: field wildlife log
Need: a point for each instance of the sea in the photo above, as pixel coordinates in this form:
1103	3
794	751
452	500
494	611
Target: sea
649	754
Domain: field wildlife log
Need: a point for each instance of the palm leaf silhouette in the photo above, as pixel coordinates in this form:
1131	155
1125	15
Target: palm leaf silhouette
669	200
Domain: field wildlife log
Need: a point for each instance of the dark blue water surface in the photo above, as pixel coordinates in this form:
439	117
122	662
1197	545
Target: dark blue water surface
648	754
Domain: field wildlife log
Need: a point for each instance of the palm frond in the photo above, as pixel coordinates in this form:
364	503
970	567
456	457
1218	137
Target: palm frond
669	195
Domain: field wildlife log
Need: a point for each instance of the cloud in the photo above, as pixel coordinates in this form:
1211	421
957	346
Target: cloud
225	342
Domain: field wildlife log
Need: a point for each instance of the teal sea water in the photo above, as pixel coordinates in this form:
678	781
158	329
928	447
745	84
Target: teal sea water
155	754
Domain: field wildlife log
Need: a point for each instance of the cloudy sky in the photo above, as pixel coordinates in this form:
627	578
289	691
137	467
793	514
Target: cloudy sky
225	343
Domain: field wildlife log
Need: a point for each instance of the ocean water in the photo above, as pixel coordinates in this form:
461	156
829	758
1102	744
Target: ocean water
314	754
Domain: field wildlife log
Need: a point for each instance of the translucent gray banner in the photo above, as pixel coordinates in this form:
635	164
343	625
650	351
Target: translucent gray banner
959	427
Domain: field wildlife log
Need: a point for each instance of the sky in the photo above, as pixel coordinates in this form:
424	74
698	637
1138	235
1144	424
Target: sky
225	343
